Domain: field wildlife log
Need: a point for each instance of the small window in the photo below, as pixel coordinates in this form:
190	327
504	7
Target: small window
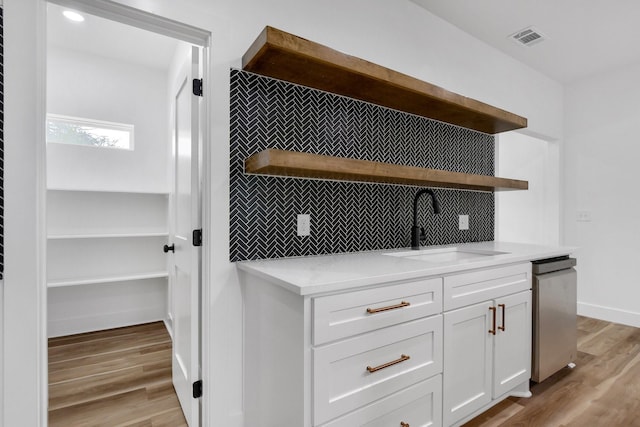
87	132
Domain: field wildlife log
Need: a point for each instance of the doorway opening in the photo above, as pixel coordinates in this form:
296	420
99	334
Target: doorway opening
124	131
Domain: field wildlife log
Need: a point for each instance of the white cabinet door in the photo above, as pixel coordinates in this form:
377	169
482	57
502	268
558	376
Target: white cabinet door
478	365
512	343
467	361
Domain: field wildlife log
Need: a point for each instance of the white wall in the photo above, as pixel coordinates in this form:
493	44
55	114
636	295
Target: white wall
95	307
94	87
24	309
1	352
601	177
397	34
531	216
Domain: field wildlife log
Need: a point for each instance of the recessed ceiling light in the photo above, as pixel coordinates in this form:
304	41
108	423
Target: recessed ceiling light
73	16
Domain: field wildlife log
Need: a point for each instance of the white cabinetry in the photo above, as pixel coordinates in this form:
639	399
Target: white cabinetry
105	264
367	357
417	405
354	372
418	352
487	345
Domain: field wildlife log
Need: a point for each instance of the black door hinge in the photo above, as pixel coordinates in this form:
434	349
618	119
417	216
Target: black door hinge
197	87
196	237
197	389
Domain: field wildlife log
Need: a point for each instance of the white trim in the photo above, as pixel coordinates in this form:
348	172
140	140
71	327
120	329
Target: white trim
147	21
206	319
24	303
90	122
609	314
139	19
41	209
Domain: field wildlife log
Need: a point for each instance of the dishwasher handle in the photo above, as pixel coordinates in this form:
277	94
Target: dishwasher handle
543	266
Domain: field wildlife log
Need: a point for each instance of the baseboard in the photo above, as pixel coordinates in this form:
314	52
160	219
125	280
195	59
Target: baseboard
78	325
609	314
168	323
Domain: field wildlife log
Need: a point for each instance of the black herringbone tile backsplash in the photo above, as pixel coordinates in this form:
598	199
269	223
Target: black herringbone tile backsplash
345	216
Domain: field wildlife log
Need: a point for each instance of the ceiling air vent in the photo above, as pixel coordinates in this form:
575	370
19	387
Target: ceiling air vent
527	37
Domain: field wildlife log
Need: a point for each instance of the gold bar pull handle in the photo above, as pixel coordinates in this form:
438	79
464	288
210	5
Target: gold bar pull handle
504	308
403	357
390	307
403	424
493	330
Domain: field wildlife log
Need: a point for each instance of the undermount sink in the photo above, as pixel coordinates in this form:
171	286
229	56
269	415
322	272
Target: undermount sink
444	255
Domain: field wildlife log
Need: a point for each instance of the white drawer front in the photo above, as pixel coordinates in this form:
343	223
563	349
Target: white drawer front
465	289
418	405
343	315
342	381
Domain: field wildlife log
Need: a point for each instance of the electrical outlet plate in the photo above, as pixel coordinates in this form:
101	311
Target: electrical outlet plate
583	216
463	222
304	225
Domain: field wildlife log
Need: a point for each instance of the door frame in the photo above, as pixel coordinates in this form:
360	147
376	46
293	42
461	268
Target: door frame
178	30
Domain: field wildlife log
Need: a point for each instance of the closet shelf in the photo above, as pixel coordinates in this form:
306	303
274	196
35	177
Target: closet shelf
104	235
307	165
93	190
106	279
285	56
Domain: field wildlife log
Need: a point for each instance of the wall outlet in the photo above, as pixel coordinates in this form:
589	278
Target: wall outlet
463	222
304	225
583	216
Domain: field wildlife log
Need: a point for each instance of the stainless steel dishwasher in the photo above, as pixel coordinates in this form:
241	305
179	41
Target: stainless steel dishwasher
554	316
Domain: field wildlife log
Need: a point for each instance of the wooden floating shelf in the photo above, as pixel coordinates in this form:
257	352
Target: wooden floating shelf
285	56
306	165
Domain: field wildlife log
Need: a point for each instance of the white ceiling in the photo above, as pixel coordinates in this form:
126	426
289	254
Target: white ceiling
109	39
585	37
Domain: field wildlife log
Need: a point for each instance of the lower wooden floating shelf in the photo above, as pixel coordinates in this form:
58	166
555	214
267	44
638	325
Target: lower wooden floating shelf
306	165
107	279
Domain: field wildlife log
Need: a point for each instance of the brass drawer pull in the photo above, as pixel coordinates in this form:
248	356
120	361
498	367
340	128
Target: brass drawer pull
403	357
391	307
504	308
493	331
403	424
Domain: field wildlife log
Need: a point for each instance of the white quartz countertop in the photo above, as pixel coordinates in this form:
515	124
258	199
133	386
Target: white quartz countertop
328	273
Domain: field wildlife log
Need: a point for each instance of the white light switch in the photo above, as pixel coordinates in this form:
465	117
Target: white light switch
463	222
304	225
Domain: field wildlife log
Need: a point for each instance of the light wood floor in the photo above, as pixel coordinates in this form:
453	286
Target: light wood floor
118	377
603	389
122	377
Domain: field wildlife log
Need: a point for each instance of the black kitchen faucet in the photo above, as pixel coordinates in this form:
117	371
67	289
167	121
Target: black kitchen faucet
417	233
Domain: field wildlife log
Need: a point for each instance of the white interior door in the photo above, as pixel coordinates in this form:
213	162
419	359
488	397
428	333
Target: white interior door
185	271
